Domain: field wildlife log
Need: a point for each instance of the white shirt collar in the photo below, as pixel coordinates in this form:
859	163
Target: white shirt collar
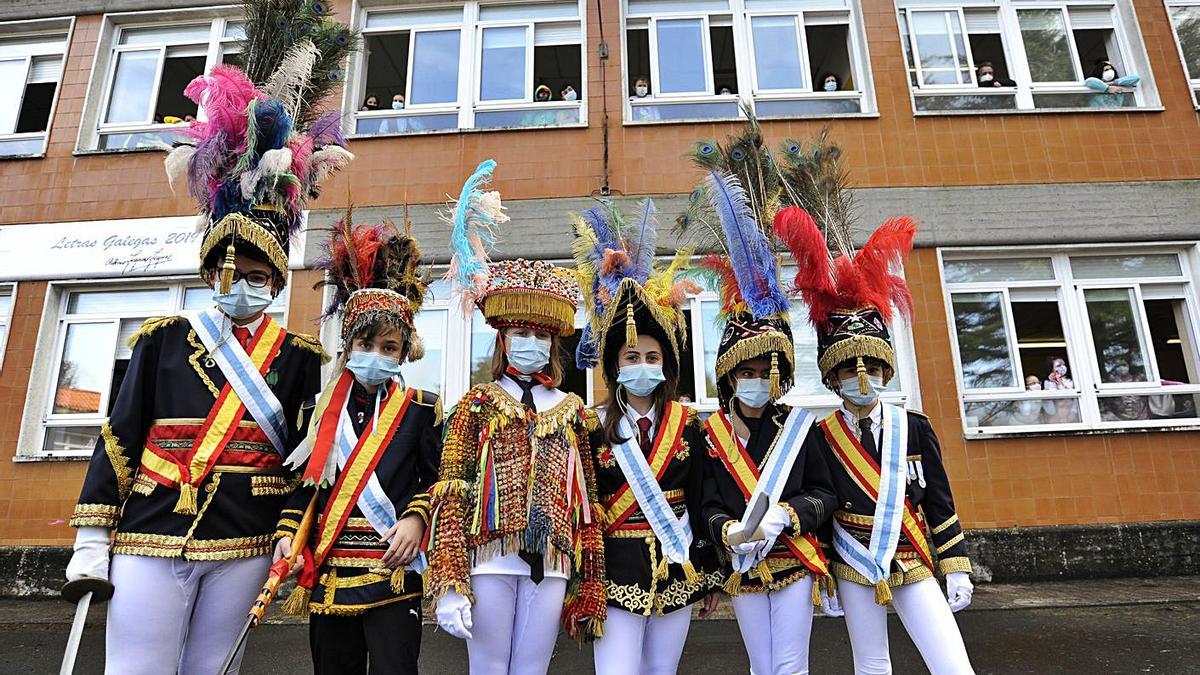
876	416
651	414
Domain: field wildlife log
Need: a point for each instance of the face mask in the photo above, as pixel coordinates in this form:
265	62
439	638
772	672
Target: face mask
642	90
397	105
570	96
1060	369
755	392
985	78
528	354
1034	386
849	390
1109	75
831	86
372	368
243	300
641	379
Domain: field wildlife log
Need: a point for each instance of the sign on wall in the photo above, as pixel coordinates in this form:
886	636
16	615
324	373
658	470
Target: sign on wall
131	247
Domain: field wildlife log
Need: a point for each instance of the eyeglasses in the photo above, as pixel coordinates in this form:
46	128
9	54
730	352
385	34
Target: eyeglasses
253	279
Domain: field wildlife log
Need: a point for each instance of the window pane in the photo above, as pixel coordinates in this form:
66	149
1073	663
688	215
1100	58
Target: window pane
502	74
966	102
483	341
1174	344
70	439
776	52
12	79
808	374
5	304
1126	266
936	46
1187	27
1021	412
195	33
133	83
983	341
142	302
1116	334
427	373
126	330
527	118
435	67
1044	32
1131	408
681	61
998	269
711	327
85	369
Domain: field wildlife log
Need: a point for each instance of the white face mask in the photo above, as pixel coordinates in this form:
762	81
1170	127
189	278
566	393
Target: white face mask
755	392
1109	75
243	300
570	96
642	90
528	354
985	78
831	86
848	389
641	379
397	105
1034	386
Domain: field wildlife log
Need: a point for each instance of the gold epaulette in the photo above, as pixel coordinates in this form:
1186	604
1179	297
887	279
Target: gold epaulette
591	419
310	343
693	416
430	400
150	325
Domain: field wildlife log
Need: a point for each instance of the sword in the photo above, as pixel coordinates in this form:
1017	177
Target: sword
81	593
278	572
751	521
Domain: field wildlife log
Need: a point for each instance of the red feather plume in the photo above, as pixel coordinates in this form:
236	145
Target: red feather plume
720	266
889	244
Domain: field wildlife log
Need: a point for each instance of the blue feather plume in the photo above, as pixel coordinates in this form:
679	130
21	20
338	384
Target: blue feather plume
643	247
469	261
750	252
587	352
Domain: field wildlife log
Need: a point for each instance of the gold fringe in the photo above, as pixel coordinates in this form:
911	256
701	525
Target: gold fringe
883	593
753	348
247	230
733	585
864	387
690	573
856	346
398	579
661	572
764	572
149	326
775	388
120	464
186	505
456	487
312	344
816	593
229	266
829	585
531	305
297	602
630	327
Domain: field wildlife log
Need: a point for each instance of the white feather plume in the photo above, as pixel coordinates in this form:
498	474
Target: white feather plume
176	163
325	161
290	80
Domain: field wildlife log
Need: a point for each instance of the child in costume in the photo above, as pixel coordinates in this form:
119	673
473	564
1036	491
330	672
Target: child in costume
648	448
515	542
187	479
370	457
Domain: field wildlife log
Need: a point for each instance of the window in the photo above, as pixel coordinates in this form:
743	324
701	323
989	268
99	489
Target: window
475	66
1075	340
143	74
7	296
1185	20
1039	56
687	55
31	67
91	354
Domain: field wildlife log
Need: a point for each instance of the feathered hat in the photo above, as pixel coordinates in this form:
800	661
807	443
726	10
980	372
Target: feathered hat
516	292
264	148
374	271
624	292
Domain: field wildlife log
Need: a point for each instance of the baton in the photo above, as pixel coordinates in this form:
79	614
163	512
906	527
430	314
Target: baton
81	592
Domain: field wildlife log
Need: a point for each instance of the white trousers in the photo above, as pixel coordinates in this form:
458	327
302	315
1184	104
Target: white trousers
515	624
170	615
642	645
926	616
775	628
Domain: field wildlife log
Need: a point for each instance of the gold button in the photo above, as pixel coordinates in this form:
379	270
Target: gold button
847	506
210	488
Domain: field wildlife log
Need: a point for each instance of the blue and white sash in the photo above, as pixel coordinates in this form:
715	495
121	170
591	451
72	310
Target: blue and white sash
775	472
242	375
875	562
675	534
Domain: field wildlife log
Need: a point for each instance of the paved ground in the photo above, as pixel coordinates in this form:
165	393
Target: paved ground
1100	627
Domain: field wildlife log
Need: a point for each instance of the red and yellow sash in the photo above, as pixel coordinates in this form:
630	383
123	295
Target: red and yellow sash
188	470
745	472
621	505
863	469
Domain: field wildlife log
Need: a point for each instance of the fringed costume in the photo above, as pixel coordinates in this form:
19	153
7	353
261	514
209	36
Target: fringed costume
659	561
515	540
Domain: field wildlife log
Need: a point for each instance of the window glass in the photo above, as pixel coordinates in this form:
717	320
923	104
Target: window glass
940	46
777	52
1187	28
1173	342
1116	335
435	67
133	84
829	54
151	35
681	60
1021	412
983	340
12	79
70	439
1126	266
997	269
483	342
1047	45
84	369
144	301
427	373
502	67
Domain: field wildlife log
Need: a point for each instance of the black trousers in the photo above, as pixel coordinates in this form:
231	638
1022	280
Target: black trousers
383	641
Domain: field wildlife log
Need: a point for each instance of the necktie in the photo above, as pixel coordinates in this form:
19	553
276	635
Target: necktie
536	563
242	335
526	392
643	425
867	437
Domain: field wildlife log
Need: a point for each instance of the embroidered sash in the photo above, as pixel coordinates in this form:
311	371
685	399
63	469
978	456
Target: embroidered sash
642	489
751	481
885	482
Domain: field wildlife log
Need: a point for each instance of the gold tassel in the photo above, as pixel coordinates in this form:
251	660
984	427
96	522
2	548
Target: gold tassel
661	571
864	387
775	389
690	573
883	594
186	505
829	585
764	572
228	267
733	585
398	575
297	602
816	592
630	327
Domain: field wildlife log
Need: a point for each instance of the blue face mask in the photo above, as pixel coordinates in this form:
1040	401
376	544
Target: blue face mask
243	300
754	392
372	368
831	86
848	389
528	354
641	379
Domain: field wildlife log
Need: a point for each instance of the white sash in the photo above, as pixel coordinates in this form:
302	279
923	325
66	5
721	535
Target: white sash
875	562
775	472
243	377
675	534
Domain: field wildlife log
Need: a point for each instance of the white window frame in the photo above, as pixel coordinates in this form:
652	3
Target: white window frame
33	29
477	88
962	23
801	45
1193	79
1079	349
8	289
705	45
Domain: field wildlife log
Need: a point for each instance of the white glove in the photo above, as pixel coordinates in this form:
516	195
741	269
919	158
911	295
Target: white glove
454	614
831	607
91	554
774	521
746	547
959	590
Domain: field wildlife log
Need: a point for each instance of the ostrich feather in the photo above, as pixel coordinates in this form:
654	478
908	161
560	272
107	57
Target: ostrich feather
290	81
644	244
472	233
327	130
325	161
750	252
801	235
888	245
224	93
177	163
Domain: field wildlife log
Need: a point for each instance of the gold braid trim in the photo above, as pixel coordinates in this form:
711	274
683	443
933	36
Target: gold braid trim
949	521
854	347
756	347
845	572
270	486
244	229
532	305
174	546
310	344
95	515
950	543
116	457
956	564
775	585
194	359
149	326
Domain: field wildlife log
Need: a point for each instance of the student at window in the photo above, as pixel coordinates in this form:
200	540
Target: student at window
985	74
1104	79
1030	411
398	102
724	90
641	92
1057	380
370	103
831	82
542	94
569	94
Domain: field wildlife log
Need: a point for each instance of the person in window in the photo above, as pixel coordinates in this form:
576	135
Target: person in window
985	75
540	118
1112	89
1031	411
367	466
724	90
879	452
371	102
516	521
1065	410
542	94
397	101
831	82
187	481
569	94
649	451
1123	408
641	93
